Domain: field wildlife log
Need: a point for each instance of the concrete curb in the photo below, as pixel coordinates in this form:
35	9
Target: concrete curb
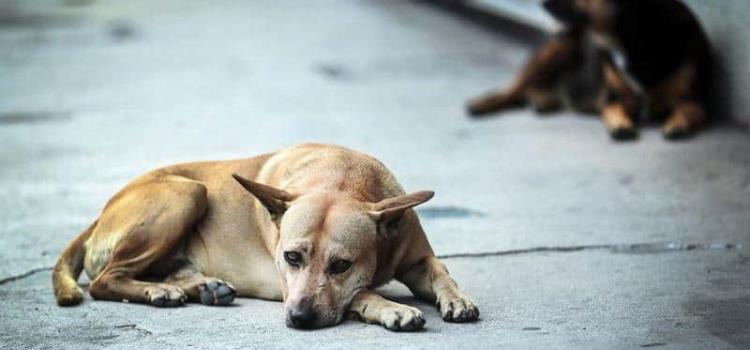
521	18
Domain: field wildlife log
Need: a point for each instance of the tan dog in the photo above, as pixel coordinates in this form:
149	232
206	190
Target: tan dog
329	223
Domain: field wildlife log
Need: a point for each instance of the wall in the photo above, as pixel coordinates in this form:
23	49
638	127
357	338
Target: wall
726	24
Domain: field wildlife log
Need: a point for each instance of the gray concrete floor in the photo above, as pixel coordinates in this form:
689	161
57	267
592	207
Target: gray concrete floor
588	241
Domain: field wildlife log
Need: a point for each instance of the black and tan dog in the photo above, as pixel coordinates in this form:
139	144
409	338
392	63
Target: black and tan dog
648	57
316	226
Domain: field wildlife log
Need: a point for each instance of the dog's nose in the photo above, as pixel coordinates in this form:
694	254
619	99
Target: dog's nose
301	318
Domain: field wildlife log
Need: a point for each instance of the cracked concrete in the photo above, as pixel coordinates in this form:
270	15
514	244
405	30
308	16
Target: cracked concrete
639	248
564	238
24	275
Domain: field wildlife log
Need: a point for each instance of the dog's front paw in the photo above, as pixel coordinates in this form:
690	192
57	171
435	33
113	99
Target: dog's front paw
458	309
623	133
402	318
677	129
165	295
217	292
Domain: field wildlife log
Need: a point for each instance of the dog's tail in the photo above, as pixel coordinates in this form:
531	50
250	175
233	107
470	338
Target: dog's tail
68	268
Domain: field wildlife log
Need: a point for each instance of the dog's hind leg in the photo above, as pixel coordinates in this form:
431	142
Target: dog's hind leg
199	288
496	101
537	84
429	280
545	99
147	221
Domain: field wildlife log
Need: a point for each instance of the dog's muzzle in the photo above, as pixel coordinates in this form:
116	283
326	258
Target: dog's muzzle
301	317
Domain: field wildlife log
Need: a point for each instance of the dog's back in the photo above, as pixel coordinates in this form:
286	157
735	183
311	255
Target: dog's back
658	37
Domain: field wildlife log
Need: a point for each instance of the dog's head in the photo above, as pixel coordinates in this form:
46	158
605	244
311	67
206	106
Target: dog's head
327	247
600	14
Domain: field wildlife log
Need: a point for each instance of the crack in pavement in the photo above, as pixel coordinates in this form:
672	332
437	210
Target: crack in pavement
134	327
125	324
25	274
128	325
636	248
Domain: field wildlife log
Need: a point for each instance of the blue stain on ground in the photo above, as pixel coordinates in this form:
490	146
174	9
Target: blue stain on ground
449	212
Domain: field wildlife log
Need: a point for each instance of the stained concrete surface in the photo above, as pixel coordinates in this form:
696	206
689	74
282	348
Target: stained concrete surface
564	238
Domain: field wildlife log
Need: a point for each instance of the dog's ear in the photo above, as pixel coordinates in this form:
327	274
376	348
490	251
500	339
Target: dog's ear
388	212
274	199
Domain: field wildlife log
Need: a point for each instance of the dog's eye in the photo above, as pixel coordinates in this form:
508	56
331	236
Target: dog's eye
339	266
293	258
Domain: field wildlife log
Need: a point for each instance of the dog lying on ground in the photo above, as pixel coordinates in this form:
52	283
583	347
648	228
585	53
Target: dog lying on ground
316	226
648	56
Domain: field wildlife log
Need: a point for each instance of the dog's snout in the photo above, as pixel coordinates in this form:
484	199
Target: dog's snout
302	317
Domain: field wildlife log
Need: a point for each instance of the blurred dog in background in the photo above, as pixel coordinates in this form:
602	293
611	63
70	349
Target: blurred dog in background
619	58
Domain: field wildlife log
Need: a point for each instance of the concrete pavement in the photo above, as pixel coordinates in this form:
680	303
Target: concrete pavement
562	236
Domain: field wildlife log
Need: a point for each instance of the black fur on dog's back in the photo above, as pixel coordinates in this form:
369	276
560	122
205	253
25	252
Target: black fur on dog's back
660	36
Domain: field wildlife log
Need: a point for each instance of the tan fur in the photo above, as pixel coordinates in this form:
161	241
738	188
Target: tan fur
673	91
686	117
618	121
190	232
68	268
536	84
